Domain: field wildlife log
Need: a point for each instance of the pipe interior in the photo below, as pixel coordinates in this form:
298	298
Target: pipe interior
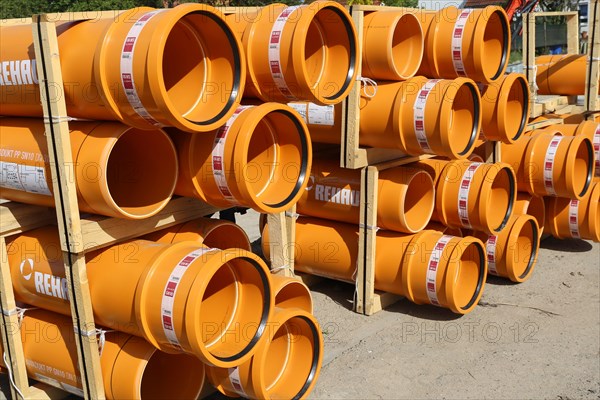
315	53
419	201
515	117
407	46
226	236
462	120
172	376
582	167
499	201
493	52
537	209
467	277
524	251
141	171
294	295
297	344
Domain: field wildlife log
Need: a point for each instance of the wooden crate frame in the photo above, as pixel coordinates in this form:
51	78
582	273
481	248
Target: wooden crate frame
563	104
78	235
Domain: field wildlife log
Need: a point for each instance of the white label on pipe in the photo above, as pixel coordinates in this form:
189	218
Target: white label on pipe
168	298
597	149
127	67
419	114
463	194
218	156
302	109
234	378
490	248
25	178
457	38
275	52
549	165
432	267
574	218
320	115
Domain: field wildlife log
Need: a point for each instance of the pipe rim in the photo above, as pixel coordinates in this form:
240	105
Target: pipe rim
572	156
407	71
513	235
479	35
453	271
290	288
490	176
507	86
156	79
594	212
447	117
430	192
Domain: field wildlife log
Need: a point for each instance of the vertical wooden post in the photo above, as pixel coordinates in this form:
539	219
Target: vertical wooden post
572	21
65	196
279	244
529	56
591	102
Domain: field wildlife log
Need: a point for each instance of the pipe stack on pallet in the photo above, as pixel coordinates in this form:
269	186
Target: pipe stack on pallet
206	94
461	95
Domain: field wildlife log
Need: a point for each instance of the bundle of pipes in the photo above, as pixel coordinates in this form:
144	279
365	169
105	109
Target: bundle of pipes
563	74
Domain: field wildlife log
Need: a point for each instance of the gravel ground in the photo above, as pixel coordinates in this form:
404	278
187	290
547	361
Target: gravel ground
538	339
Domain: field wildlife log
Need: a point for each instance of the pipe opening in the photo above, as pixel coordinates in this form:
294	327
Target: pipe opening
315	53
262	157
419	201
407	48
517	104
226	236
340	53
470	276
141	171
495	45
235	308
500	199
527	241
172	376
583	167
537	209
292	359
294	295
208	58
464	117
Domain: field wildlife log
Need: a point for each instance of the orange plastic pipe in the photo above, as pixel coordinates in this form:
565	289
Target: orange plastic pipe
452	276
562	74
446	230
260	159
392	45
566	218
551	165
131	367
590	130
505	108
472	195
324	122
286	366
421	116
527	204
291	292
120	171
182	297
405	202
215	233
468	42
181	67
512	253
306	52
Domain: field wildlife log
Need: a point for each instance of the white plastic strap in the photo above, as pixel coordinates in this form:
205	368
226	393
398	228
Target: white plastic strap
419	114
597	149
369	86
127	67
457	38
463	194
275	52
168	297
432	268
490	248
218	157
574	218
549	165
21	314
234	379
8	313
63	118
10	375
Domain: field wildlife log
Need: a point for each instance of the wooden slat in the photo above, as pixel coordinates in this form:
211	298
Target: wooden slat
592	101
279	244
528	37
17	217
65	196
573	33
542	124
367	235
290	226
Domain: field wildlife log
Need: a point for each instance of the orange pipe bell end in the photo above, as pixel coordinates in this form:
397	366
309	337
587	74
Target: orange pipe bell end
446	230
214	233
551	165
291	293
304	53
406	196
120	171
392	45
566	218
590	130
512	253
563	74
505	108
260	159
181	67
470	42
131	368
535	206
286	366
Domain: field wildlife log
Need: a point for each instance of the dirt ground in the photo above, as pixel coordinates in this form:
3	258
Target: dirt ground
538	339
